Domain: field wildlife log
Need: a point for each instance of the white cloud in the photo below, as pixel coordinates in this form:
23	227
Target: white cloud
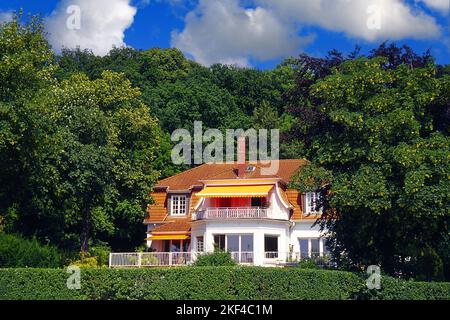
102	24
396	19
6	16
223	31
442	5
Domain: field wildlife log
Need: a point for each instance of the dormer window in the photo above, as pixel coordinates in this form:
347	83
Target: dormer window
250	169
311	203
178	205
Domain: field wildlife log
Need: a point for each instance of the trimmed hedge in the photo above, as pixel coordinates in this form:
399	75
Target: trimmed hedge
218	283
16	251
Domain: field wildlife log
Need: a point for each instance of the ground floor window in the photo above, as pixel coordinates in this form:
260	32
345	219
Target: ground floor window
200	244
240	246
271	246
219	242
312	247
176	245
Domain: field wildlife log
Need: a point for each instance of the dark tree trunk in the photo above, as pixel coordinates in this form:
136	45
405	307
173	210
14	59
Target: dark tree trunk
85	230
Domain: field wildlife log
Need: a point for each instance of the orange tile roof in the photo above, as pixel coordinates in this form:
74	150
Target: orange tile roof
173	227
190	178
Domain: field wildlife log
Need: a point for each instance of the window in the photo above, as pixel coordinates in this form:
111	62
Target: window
271	246
257	202
240	246
304	248
175	246
166	245
315	248
311	203
200	244
178	205
312	247
219	241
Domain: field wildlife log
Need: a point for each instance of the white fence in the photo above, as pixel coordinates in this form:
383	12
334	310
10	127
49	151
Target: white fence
169	259
150	259
233	213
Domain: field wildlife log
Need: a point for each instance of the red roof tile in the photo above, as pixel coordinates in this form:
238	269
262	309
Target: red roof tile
173	227
187	179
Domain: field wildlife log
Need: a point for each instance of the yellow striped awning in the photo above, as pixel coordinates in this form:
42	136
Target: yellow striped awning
168	237
235	191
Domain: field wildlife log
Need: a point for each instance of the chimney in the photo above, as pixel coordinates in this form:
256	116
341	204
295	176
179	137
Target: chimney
241	157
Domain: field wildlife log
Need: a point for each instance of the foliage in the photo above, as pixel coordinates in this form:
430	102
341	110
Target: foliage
216	283
86	261
216	258
307	264
17	252
387	162
76	154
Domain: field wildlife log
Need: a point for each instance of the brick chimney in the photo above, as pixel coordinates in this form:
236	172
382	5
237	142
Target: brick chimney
241	157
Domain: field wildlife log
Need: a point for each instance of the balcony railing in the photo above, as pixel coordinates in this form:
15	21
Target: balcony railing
242	257
151	259
232	213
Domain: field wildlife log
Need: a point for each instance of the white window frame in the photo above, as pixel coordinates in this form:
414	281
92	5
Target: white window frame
310	206
309	240
177	202
200	247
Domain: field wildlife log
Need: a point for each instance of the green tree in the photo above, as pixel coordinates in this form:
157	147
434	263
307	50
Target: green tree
381	163
104	150
26	69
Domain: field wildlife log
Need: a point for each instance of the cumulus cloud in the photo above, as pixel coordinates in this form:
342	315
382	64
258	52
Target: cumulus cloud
442	5
97	25
223	31
226	31
371	20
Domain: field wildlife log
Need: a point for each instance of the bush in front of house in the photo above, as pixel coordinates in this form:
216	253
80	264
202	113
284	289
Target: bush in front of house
216	258
16	251
216	283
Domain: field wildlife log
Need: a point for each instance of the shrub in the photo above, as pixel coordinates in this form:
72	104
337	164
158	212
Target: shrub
16	251
86	261
307	264
216	258
216	283
101	253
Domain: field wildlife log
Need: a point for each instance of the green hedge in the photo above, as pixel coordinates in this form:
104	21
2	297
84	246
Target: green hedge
16	251
220	283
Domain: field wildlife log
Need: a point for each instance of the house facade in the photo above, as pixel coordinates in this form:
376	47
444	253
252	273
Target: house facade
237	208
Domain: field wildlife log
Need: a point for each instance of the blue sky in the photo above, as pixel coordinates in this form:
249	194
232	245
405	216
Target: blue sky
256	33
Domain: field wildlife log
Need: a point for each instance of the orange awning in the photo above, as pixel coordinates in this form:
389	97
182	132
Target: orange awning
235	191
168	237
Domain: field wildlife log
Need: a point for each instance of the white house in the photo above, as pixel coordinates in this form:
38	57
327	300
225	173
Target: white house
233	207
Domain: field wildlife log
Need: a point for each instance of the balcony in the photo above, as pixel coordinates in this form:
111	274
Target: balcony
232	213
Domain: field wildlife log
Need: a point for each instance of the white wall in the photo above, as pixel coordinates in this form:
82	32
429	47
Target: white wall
304	229
259	228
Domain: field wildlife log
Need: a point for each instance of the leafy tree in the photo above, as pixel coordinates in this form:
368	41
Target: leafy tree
77	154
381	164
265	117
108	140
26	70
308	70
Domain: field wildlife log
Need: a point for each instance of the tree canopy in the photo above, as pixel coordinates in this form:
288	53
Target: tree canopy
83	139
